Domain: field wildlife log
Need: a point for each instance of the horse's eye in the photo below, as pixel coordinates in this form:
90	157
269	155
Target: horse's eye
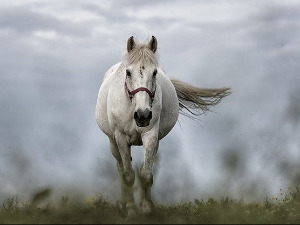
128	74
154	72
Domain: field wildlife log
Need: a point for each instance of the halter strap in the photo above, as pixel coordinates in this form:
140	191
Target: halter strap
132	93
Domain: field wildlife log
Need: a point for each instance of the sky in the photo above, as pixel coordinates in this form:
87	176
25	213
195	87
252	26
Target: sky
54	55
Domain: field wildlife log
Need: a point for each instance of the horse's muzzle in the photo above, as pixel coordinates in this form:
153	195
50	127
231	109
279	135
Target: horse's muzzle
142	118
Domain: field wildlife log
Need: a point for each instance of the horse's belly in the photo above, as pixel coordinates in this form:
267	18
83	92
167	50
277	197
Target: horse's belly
170	109
167	123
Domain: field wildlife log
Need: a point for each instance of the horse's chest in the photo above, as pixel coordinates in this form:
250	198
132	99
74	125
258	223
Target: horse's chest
134	138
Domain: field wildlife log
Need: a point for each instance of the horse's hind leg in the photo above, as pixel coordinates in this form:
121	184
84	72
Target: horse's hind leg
150	143
121	151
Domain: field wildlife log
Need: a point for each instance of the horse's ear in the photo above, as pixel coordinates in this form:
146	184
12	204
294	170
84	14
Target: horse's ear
153	44
130	44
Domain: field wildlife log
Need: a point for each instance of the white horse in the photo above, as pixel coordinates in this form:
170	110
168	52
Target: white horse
138	104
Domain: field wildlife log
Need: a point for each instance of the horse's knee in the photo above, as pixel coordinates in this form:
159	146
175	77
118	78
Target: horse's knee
120	167
129	177
146	178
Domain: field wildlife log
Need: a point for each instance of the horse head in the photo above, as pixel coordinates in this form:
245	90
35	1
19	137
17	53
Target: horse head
140	83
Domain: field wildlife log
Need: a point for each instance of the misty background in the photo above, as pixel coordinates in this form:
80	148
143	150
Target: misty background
53	56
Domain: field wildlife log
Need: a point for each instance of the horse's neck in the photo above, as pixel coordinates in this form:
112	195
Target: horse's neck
120	71
116	77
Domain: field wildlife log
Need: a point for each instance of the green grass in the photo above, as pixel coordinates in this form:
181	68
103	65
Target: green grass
282	209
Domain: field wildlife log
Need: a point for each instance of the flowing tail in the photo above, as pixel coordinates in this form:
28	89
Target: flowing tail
193	98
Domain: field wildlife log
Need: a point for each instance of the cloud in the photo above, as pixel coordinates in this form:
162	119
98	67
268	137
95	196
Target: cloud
23	20
276	27
53	58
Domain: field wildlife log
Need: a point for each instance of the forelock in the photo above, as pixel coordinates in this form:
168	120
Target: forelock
140	54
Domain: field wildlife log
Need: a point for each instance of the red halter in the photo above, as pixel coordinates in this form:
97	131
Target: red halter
132	93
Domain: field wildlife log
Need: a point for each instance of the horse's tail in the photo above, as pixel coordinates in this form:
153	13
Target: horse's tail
193	98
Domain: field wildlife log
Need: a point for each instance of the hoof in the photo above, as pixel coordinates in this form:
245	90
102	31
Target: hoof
127	211
131	209
147	207
122	209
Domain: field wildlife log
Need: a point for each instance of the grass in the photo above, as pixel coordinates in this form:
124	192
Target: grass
283	209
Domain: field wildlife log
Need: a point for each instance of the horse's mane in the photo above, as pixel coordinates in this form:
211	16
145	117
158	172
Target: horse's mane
141	53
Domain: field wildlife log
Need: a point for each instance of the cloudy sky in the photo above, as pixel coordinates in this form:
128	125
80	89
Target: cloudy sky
53	58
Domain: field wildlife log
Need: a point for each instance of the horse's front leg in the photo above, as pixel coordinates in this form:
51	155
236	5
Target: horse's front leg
150	142
127	174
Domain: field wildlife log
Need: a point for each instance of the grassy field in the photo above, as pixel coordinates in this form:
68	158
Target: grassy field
283	209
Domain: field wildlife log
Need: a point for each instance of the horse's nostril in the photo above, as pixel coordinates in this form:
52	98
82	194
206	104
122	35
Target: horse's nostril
150	115
135	116
142	118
